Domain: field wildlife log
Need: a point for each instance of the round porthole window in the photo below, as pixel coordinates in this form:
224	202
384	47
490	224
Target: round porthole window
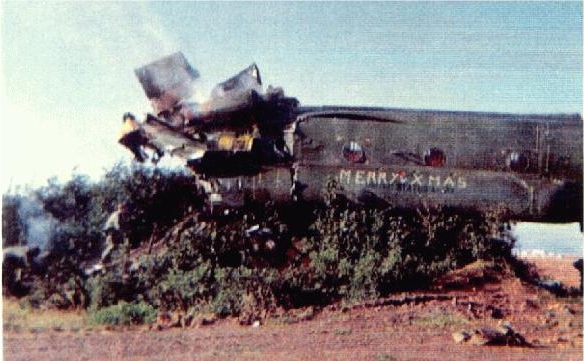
353	152
517	162
434	157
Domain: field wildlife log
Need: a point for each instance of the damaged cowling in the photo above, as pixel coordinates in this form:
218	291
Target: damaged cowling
236	91
232	103
240	103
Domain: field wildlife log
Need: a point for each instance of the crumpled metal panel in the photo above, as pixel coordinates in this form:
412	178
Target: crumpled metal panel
235	94
247	80
167	81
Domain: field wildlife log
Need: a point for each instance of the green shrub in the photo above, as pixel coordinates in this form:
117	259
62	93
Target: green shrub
125	314
342	251
181	290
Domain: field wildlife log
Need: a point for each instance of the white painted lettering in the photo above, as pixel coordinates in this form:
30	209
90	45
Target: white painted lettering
462	182
346	176
449	182
434	181
360	177
417	180
382	176
394	177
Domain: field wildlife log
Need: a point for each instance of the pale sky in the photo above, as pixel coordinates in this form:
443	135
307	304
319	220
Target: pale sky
545	238
67	68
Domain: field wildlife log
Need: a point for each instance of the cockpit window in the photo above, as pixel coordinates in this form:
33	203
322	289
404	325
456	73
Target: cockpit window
434	157
353	152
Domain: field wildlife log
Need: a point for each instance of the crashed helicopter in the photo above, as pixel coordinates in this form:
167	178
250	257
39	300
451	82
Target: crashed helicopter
244	142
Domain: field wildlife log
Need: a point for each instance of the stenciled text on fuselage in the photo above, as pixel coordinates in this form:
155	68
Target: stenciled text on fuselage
402	180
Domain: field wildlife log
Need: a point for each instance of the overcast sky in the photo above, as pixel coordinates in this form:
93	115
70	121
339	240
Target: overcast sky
67	68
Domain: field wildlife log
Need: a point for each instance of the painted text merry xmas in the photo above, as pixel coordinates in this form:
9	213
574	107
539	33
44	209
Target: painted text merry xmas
401	180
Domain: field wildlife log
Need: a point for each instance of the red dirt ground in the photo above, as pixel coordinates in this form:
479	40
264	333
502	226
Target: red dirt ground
391	330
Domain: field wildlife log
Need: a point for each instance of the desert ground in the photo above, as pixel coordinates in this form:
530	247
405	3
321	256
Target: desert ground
406	326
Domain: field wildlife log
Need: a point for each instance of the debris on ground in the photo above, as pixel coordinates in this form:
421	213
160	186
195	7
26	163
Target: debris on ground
502	335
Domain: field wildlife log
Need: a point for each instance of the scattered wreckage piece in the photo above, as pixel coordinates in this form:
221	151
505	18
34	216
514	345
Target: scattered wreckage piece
502	335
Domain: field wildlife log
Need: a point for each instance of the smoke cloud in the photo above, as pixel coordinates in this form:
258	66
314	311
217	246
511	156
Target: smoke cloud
39	226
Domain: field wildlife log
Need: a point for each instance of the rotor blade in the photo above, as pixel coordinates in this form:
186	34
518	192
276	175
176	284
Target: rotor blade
347	114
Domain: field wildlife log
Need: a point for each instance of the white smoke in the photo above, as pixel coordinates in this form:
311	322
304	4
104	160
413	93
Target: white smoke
39	225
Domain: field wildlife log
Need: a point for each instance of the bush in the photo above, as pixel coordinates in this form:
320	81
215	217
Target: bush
125	314
181	290
349	253
319	252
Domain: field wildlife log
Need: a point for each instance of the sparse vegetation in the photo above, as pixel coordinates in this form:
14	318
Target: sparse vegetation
441	320
385	357
19	316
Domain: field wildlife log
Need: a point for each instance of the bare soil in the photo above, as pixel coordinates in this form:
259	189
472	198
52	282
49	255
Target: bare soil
406	326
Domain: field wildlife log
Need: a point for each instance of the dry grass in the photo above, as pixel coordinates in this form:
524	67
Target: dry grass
18	317
440	320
